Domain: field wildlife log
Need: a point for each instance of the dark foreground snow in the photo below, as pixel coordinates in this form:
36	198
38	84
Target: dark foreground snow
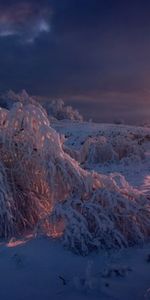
43	269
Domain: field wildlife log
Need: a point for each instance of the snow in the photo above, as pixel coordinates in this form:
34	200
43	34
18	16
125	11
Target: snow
74	207
42	269
135	170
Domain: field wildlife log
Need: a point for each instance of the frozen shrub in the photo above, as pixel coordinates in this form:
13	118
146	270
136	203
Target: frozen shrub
21	157
60	111
12	97
101	150
97	150
43	188
112	216
39	172
56	109
126	147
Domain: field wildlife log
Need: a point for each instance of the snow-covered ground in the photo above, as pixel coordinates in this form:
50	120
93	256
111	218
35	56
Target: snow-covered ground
42	269
135	170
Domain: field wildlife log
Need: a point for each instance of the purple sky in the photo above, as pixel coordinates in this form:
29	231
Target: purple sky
95	54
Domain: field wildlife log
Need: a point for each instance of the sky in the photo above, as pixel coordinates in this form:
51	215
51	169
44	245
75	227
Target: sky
95	54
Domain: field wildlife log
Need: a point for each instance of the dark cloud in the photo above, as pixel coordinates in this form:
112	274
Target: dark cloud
25	20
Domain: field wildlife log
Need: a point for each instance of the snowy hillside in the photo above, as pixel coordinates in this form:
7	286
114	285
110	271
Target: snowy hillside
81	192
109	148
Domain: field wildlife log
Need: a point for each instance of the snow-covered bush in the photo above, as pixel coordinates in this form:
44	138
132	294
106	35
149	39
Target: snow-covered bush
97	150
43	188
60	111
21	157
101	149
56	109
8	99
127	147
39	172
112	216
17	97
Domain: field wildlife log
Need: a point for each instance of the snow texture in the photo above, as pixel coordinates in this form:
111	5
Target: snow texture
44	189
84	184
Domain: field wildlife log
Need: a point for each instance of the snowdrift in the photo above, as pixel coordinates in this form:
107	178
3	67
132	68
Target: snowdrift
43	189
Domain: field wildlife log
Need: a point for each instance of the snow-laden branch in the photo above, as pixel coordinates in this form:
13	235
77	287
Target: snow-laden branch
43	188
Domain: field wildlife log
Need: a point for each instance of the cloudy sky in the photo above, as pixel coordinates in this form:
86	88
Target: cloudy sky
93	53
